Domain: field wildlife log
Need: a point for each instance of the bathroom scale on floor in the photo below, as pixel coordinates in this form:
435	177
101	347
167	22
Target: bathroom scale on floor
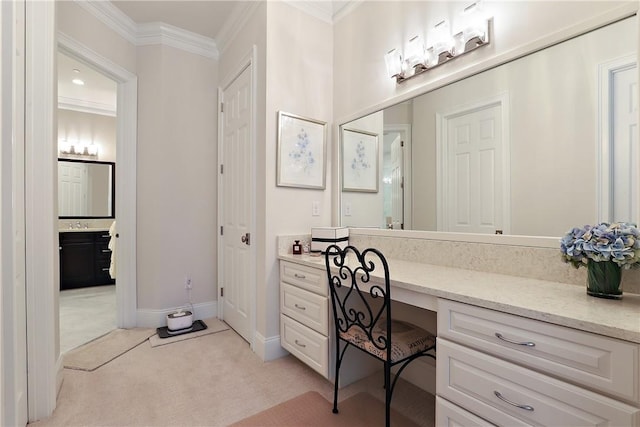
165	332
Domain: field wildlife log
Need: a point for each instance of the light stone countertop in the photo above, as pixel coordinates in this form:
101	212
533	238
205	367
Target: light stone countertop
559	303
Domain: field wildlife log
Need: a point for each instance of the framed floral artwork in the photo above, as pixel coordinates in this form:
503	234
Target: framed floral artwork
359	161
301	152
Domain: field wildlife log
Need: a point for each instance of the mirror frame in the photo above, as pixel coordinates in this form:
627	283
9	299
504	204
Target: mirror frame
618	14
113	188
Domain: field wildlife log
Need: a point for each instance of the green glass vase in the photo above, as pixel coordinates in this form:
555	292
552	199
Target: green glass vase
603	279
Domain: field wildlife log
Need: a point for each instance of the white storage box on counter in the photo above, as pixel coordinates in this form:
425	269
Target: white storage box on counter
323	237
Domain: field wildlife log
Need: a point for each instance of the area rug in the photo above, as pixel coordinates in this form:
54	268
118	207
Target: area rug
213	325
312	410
102	350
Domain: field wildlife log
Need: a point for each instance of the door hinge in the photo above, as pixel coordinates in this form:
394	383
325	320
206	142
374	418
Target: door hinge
221	292
221	169
222	230
401	143
402	182
221	107
402	226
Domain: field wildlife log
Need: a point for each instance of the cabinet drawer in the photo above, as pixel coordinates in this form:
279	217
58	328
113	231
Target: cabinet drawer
310	309
311	279
604	364
448	414
305	344
491	388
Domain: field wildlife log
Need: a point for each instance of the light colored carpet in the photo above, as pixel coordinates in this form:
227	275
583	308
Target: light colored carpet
212	380
213	325
96	353
313	410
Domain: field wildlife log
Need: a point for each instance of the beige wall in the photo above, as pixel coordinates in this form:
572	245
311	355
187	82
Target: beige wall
77	23
87	128
177	158
176	161
299	81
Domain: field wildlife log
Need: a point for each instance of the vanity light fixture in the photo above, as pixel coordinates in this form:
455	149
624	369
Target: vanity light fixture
442	46
77	148
393	59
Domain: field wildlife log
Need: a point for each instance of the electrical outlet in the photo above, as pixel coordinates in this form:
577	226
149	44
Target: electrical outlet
315	208
347	209
187	282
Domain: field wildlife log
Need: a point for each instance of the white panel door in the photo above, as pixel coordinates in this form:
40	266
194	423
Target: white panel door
624	145
72	188
237	206
474	199
397	183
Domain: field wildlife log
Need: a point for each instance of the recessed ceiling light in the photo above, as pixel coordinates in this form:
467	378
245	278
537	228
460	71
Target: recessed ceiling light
78	82
75	70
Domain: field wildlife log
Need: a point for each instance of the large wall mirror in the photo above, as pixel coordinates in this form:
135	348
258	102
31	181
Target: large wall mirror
531	147
86	189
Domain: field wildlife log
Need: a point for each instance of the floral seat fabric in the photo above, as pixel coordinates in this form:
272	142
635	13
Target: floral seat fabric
406	339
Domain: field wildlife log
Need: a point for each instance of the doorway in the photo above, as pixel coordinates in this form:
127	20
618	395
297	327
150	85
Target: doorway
396	176
87	121
125	183
617	154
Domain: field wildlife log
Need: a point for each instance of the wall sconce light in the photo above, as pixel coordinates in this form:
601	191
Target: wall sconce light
77	148
442	45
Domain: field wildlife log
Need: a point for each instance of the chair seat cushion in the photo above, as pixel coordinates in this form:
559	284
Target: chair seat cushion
406	339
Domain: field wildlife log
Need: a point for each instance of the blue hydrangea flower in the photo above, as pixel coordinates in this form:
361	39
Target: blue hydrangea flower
618	242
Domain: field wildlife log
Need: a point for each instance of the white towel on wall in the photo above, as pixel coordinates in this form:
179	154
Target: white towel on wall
112	247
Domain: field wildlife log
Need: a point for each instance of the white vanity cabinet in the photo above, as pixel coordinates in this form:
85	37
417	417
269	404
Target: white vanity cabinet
510	370
304	314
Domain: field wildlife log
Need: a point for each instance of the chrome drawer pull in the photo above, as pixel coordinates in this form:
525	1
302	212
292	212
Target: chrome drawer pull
105	236
299	344
525	343
299	307
299	276
105	251
501	397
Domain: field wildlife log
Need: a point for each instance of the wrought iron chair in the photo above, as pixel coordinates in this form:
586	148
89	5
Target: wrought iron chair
362	314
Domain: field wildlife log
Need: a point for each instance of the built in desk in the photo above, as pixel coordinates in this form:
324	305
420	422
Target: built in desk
510	350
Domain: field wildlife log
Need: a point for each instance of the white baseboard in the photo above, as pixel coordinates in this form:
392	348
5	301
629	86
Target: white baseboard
268	348
149	318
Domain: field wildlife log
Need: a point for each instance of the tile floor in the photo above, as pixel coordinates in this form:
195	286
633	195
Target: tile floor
86	314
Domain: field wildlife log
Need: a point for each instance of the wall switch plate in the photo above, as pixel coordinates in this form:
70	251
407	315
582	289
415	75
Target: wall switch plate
315	208
347	209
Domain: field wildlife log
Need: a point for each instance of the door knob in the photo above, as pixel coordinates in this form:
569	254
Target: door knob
246	239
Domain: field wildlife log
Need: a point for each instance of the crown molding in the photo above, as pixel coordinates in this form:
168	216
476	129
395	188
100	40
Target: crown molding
160	33
233	25
322	10
112	17
345	9
83	106
149	33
